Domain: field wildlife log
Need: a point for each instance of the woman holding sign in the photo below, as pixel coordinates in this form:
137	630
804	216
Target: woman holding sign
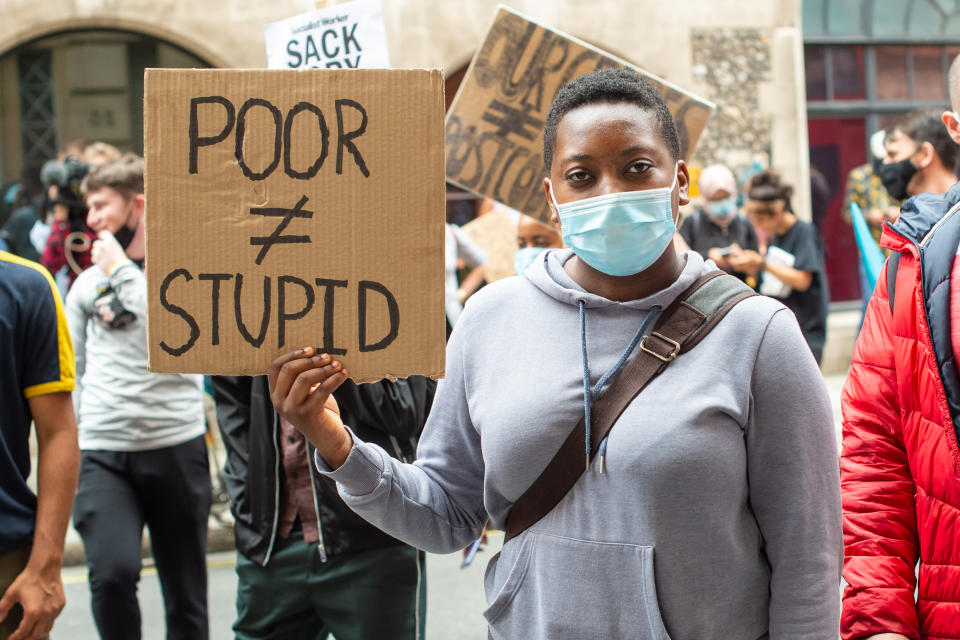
695	496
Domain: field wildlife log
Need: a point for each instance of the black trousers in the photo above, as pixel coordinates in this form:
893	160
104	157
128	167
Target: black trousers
168	490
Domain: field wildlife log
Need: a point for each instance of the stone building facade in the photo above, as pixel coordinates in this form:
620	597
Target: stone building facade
749	63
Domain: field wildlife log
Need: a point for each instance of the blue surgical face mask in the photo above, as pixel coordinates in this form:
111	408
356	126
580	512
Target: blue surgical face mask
525	257
619	233
723	208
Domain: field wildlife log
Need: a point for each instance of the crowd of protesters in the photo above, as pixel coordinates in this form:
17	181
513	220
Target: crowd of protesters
708	504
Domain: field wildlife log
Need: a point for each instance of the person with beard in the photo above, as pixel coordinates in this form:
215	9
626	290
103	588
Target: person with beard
717	230
143	454
921	156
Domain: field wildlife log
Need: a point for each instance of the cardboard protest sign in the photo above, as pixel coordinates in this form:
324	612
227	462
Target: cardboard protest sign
294	208
494	128
345	36
496	233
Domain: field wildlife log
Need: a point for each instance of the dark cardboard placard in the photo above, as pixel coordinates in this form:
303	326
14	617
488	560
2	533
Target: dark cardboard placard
294	208
494	129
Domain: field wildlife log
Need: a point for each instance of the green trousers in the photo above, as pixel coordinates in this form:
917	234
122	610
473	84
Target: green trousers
357	596
11	564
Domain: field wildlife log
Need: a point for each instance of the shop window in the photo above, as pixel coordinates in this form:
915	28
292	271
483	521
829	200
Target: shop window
847	65
813	17
926	17
816	72
891	67
928	73
843	16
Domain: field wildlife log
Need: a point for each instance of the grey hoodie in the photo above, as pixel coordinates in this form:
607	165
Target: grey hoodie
718	511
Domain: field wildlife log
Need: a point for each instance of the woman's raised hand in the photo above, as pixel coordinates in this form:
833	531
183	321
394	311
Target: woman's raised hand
301	389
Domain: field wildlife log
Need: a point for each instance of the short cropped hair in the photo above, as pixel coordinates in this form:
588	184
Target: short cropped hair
925	125
124	176
609	85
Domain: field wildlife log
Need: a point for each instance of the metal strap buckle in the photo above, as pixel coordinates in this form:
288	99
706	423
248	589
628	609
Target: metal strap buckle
675	346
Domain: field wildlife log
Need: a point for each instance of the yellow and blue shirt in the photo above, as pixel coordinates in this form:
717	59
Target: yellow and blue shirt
37	359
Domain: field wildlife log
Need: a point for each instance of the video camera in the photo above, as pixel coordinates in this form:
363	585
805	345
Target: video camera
66	176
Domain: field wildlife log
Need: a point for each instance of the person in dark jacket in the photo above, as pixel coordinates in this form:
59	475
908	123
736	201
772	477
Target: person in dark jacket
306	564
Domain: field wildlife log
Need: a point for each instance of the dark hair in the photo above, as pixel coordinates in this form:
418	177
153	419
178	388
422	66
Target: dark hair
125	176
609	85
766	186
925	125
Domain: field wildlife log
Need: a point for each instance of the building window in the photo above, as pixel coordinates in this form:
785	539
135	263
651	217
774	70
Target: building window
867	63
37	120
881	18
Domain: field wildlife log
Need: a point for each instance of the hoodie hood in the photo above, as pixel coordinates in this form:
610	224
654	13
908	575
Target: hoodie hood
547	275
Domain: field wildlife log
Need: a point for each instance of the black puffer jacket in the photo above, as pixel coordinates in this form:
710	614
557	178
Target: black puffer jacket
391	414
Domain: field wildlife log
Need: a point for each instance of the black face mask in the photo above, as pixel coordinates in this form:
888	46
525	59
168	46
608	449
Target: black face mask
124	234
896	176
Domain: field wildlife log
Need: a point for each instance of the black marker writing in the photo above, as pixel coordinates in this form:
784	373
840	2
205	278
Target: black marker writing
392	309
275	237
215	279
179	311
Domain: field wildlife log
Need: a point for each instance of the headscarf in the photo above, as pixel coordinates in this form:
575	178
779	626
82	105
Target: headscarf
716	178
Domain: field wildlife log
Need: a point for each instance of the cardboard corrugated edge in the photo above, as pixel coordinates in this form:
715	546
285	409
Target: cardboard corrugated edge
437	79
147	136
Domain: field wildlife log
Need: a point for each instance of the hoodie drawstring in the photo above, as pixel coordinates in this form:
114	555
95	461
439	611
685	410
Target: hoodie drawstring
590	395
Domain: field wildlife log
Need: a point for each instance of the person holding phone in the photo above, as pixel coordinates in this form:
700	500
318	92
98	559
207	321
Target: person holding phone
717	229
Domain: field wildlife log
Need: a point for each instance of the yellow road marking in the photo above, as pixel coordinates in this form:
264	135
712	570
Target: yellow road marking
81	576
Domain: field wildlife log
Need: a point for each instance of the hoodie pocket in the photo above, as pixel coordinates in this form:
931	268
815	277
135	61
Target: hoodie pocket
560	588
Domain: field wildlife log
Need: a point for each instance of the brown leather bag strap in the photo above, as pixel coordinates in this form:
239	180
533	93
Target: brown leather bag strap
681	327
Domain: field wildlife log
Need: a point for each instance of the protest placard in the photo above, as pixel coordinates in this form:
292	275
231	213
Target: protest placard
496	233
295	208
494	128
344	36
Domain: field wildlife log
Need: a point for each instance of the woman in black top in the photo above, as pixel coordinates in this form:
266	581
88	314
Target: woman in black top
792	268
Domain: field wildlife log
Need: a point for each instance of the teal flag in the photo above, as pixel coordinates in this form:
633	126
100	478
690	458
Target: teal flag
870	254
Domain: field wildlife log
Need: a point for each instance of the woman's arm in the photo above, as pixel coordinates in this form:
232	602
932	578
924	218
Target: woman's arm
794	484
436	503
793	278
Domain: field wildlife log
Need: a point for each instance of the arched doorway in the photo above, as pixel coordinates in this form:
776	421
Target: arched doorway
72	85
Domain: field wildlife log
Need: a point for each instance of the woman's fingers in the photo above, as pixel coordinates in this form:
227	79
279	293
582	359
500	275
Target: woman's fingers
318	400
285	369
302	388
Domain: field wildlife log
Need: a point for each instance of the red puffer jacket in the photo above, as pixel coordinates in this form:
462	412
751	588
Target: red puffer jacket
900	464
